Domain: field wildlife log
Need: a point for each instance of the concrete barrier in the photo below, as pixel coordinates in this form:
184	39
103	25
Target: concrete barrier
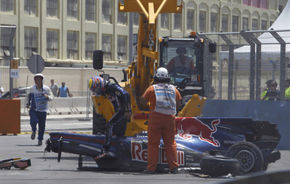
273	111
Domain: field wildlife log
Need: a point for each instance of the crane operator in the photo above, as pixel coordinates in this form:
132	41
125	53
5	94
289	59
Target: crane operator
181	63
120	98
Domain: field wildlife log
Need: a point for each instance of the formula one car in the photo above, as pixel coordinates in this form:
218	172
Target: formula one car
217	145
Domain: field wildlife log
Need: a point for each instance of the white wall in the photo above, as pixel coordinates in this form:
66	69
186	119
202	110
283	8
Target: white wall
75	78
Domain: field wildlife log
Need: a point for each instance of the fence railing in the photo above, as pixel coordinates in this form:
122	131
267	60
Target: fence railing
69	105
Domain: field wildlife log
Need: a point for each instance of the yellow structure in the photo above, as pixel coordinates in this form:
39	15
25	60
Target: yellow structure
140	73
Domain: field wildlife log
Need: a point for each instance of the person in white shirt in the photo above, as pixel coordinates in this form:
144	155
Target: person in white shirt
53	87
37	100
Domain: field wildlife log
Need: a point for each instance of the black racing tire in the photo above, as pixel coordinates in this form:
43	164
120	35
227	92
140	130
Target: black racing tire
216	166
249	155
99	123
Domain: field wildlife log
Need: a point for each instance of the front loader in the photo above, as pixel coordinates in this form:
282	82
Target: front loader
139	75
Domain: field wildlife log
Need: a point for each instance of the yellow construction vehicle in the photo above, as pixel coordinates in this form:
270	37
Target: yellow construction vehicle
140	73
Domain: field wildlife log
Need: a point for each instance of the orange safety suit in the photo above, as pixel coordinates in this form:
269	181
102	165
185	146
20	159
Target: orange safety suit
160	125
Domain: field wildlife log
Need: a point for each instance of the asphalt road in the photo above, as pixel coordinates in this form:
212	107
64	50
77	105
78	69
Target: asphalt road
45	169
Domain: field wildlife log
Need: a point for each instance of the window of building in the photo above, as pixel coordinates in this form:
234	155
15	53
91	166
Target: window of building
177	21
52	43
235	23
213	22
107	11
107	46
30	7
264	4
164	23
190	19
52	8
247	2
73	45
136	19
122	48
202	21
264	24
91	10
7	6
90	44
73	9
30	41
5	35
123	18
225	23
255	24
257	3
245	23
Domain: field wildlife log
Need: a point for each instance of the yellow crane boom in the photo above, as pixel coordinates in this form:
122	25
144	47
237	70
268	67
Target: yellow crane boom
141	73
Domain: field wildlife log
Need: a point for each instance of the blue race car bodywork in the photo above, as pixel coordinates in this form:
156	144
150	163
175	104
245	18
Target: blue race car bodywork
240	138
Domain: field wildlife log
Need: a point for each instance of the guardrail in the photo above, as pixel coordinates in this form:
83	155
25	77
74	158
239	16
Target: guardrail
69	105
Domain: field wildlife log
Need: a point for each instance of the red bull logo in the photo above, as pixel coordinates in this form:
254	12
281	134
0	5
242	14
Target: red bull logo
190	126
138	153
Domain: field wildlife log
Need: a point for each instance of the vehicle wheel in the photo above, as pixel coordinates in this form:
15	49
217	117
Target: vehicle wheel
216	166
99	123
249	155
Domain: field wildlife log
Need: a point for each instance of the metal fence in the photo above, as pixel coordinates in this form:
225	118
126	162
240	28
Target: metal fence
69	105
246	60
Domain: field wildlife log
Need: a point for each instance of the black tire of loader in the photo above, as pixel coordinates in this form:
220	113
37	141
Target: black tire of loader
99	123
216	166
250	149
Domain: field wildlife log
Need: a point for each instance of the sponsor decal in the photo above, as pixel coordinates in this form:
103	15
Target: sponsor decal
190	126
138	153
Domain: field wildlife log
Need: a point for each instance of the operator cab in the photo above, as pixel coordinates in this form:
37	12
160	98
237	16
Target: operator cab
183	57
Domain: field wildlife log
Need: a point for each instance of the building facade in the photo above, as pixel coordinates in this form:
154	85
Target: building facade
68	31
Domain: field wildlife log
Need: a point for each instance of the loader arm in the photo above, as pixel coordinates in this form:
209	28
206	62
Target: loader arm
140	74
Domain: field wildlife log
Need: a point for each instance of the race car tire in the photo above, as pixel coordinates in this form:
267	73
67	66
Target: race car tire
249	155
99	123
216	166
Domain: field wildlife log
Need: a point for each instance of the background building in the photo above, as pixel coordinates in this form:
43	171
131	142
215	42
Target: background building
68	31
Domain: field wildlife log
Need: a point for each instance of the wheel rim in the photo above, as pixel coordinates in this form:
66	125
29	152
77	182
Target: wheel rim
247	160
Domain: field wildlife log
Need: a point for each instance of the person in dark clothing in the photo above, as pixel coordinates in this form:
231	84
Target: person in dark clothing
120	98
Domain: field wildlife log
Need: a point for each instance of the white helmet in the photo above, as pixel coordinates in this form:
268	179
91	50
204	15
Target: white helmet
162	73
39	75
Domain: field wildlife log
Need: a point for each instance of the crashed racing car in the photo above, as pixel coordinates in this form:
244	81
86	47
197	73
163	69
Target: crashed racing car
216	145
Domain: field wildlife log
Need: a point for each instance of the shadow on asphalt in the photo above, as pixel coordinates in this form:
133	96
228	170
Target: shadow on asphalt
55	158
23	145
